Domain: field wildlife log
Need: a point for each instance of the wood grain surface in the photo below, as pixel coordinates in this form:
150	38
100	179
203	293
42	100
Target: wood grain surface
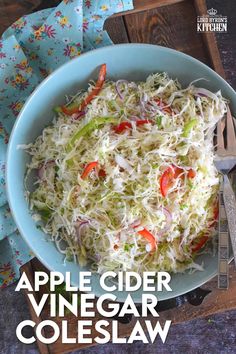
210	41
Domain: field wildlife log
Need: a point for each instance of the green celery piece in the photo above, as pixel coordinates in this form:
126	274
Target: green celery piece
188	127
88	128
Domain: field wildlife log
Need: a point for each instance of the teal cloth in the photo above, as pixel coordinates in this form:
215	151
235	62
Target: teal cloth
30	49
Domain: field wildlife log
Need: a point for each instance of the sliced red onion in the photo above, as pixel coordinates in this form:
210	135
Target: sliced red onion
205	93
43	168
148	107
135	224
200	95
169	219
78	229
161	106
77	116
118	85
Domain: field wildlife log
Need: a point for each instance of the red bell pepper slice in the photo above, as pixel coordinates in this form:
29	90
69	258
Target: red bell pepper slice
196	247
167	180
122	126
127	125
95	91
215	215
88	168
102	173
191	173
149	237
162	104
169	175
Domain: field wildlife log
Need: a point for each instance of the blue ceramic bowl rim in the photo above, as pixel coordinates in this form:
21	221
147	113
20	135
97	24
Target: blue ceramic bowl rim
10	149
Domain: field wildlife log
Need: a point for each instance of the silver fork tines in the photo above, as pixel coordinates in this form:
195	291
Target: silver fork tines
225	160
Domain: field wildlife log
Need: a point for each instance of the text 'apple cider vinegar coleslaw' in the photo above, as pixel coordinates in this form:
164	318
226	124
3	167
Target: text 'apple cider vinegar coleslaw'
125	175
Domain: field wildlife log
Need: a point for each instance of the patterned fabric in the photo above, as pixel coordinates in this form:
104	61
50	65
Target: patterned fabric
30	49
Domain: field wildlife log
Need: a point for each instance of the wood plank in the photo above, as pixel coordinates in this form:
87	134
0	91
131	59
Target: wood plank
143	5
171	26
210	41
116	29
11	10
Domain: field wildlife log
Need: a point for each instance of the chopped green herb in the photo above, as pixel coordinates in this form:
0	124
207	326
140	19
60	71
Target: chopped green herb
159	121
188	127
183	206
127	247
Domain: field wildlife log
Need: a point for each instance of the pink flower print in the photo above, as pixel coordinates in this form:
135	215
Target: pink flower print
120	5
22	65
43	72
58	14
0	44
67	51
19	262
50	31
16	107
5	267
12	275
2	55
17	253
7	80
85	25
72	50
6	138
19	81
38	34
43	32
88	3
19	25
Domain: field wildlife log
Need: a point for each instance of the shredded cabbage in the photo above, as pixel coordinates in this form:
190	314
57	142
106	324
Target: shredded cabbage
129	190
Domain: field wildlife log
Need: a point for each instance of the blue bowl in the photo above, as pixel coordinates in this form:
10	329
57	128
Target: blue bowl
125	61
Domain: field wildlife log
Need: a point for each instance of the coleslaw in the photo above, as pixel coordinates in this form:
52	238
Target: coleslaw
125	174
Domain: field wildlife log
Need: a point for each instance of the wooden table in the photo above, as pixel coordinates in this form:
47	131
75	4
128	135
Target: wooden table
174	27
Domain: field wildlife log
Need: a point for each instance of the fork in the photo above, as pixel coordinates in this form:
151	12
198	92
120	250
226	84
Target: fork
224	161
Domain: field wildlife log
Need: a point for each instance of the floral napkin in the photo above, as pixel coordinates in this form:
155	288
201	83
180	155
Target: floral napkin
30	49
